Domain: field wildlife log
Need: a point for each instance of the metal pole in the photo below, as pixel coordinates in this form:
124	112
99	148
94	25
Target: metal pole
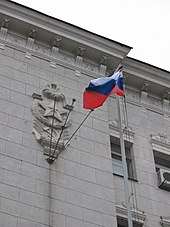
52	126
125	172
65	145
63	127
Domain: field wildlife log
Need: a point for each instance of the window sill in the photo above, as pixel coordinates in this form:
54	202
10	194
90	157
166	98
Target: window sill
132	179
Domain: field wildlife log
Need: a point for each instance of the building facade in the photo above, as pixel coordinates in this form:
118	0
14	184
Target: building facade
53	173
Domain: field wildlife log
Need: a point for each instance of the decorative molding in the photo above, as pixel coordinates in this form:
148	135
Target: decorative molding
4	30
137	214
145	71
166	100
52	25
81	51
50	113
128	134
57	41
102	70
79	57
145	86
90	67
55	57
132	95
77	73
5	22
160	142
144	92
165	221
30	41
79	60
54	54
103	67
61	58
166	104
144	97
41	51
55	50
153	104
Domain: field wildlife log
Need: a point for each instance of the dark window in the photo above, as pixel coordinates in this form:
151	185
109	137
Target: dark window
162	161
124	223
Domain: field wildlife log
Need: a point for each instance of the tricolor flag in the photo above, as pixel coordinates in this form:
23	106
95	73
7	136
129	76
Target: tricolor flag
99	89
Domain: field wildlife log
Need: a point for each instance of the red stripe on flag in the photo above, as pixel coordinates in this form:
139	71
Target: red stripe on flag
92	100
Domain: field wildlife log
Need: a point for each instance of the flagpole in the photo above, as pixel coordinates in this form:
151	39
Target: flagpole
125	171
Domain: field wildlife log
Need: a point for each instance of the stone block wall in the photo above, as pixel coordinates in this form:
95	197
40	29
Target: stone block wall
147	196
80	181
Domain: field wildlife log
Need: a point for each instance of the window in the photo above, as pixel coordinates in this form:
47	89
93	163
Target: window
138	215
162	161
161	151
117	165
124	223
162	166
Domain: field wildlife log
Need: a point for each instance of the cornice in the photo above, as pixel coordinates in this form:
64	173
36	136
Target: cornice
148	103
45	53
160	142
134	97
146	72
55	26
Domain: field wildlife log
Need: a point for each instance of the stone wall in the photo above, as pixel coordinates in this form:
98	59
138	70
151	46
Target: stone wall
81	181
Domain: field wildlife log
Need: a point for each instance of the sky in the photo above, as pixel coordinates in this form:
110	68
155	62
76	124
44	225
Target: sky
141	24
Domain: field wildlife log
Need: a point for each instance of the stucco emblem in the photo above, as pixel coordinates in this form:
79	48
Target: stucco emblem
51	119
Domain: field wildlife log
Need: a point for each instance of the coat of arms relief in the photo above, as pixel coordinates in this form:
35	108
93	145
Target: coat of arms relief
51	120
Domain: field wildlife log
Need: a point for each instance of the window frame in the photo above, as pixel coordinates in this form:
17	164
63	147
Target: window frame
129	158
159	158
122	222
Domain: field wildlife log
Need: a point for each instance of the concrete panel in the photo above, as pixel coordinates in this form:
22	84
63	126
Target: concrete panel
7	220
3	118
39	72
11	108
84	172
19	181
20	152
26	223
25	78
96	162
71	222
17	209
56	191
9	192
98	218
57	220
20	124
34	199
21	99
104	179
90	189
4	92
67	209
12	84
10	163
10	134
90	202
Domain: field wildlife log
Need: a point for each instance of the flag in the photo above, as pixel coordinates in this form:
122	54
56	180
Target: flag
99	90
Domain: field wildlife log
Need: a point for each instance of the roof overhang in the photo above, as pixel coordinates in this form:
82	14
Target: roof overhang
96	47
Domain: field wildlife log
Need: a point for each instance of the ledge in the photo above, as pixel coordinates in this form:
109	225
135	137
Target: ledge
137	214
165	221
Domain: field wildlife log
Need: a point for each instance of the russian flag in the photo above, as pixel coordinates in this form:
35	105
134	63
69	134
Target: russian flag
99	89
